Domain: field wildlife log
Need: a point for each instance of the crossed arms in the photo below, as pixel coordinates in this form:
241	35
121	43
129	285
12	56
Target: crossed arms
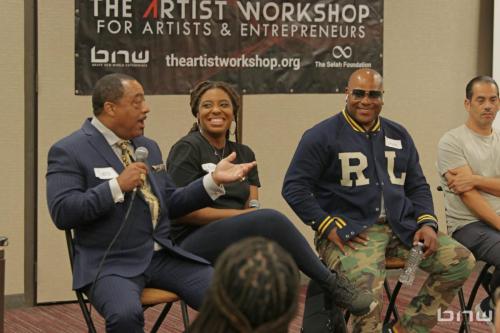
467	185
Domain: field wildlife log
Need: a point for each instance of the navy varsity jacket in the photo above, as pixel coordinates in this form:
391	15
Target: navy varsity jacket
339	172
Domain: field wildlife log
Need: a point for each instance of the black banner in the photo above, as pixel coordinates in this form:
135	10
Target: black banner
260	46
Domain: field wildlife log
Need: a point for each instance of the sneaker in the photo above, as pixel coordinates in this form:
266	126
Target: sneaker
485	312
345	295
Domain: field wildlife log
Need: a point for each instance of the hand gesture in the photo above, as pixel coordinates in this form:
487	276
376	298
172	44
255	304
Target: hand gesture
428	236
334	238
132	176
227	172
460	181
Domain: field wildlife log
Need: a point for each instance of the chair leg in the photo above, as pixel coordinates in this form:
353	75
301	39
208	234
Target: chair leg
465	314
486	280
472	297
391	308
161	317
476	286
85	313
185	316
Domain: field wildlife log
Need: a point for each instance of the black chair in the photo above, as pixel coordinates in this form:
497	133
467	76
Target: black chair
392	263
150	297
397	263
466	308
392	310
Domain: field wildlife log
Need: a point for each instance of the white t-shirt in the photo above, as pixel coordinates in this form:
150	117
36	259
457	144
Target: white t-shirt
461	146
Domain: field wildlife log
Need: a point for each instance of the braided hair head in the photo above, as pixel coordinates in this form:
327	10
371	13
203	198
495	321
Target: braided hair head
201	88
255	289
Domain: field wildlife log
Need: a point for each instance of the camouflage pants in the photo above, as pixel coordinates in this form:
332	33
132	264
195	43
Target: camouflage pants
448	269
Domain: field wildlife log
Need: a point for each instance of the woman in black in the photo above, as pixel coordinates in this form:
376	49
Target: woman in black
208	231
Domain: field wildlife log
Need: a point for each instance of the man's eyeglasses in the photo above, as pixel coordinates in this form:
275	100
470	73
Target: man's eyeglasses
360	94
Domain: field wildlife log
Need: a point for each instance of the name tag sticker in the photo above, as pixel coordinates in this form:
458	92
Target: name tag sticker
208	167
105	173
393	143
159	167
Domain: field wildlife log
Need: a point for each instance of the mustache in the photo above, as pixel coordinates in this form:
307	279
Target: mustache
492	112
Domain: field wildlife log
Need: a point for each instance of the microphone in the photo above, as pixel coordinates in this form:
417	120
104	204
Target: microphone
141	154
254	204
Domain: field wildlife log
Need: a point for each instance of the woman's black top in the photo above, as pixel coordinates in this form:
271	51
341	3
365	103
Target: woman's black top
193	157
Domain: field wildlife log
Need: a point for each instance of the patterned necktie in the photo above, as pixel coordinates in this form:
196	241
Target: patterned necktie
145	189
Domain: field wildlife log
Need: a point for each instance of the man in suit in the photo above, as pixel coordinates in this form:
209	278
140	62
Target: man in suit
95	188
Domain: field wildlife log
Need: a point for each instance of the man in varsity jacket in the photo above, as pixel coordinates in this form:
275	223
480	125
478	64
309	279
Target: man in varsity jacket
356	180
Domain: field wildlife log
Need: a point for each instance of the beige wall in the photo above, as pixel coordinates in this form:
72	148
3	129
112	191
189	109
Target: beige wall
12	141
430	50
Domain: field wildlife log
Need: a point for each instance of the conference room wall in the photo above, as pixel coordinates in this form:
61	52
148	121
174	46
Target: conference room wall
12	141
431	48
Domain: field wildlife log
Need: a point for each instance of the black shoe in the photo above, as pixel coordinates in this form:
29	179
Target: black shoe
345	295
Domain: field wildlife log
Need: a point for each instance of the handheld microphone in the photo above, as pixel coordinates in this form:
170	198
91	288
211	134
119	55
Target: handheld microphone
254	204
141	154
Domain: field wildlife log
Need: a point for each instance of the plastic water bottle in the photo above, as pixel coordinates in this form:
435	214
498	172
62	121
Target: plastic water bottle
411	265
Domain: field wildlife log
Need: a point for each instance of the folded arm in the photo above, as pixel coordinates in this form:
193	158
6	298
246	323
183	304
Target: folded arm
460	181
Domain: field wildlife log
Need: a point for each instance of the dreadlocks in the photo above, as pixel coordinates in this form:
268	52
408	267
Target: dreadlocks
255	289
201	88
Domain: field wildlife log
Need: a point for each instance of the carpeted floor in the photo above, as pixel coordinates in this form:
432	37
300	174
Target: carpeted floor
64	318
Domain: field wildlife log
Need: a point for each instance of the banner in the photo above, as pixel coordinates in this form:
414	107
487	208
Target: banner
260	46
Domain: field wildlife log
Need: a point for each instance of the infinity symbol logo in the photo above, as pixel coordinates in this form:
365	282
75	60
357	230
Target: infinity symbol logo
339	52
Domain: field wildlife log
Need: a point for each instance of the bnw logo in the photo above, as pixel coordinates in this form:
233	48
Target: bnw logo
118	58
341	52
448	315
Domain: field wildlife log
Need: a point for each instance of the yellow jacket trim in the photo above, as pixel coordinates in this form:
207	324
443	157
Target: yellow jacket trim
358	128
323	225
421	218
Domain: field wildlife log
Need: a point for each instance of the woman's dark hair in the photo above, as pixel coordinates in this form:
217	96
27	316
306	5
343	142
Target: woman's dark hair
201	88
254	289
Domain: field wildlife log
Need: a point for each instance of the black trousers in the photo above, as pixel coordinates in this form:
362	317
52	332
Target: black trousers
210	240
484	242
